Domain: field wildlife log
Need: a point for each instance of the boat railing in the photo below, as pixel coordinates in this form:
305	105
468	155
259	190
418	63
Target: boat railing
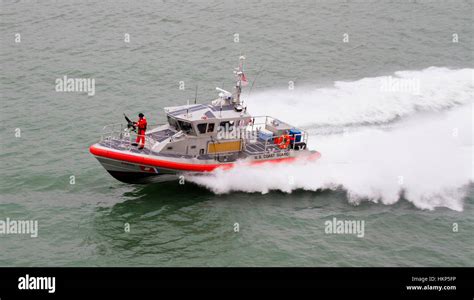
119	134
260	123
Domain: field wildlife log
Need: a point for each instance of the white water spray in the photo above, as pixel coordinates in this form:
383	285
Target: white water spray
427	154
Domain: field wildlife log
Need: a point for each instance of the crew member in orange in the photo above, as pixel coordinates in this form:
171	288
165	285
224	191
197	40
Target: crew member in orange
141	125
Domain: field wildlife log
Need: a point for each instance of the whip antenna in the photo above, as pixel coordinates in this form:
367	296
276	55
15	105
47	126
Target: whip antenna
196	94
255	79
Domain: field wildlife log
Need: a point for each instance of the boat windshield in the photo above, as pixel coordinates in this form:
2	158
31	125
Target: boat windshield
173	123
186	127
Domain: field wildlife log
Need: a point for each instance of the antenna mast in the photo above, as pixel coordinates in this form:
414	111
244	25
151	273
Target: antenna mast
238	74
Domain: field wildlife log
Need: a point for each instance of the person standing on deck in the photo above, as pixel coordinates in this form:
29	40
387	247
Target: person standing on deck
141	125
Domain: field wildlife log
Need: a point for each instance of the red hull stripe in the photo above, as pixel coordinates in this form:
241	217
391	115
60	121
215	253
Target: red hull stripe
145	160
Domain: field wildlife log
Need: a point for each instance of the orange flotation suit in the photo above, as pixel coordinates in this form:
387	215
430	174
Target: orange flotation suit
141	124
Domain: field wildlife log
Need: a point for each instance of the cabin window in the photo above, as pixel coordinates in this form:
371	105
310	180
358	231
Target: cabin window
201	151
202	127
193	147
186	127
172	122
210	127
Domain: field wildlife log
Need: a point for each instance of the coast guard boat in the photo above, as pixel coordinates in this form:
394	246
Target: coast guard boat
200	138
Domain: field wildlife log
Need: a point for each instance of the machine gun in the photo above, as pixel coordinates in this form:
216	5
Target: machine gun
130	125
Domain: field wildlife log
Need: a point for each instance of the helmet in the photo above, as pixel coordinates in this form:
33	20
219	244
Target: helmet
141	115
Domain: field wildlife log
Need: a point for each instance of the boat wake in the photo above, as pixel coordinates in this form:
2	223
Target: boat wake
418	146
